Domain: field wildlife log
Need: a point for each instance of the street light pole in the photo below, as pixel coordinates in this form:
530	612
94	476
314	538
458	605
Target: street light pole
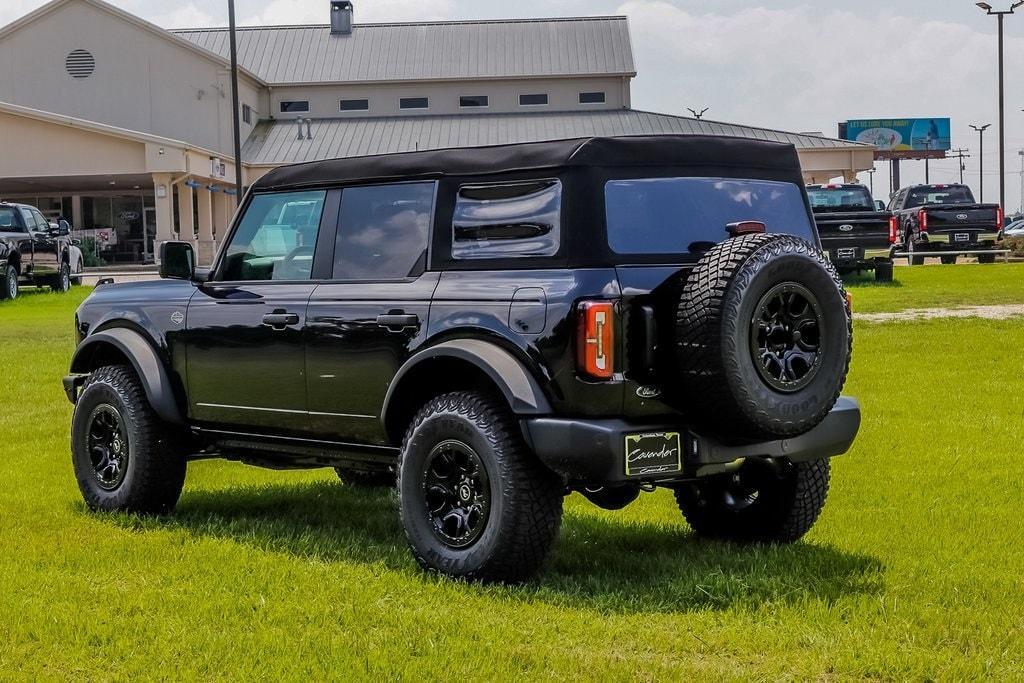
981	159
234	102
1002	101
871	177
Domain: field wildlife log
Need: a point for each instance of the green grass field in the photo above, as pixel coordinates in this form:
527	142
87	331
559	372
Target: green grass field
915	570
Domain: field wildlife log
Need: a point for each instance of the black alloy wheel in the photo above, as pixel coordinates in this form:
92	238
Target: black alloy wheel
109	448
456	490
786	337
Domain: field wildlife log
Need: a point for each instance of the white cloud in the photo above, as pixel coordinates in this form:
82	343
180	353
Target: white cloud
807	68
317	11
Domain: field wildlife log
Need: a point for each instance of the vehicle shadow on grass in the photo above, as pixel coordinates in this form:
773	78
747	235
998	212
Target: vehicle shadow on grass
867	279
600	563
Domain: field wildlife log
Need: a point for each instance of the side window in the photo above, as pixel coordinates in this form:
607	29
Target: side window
383	231
276	238
30	221
42	224
507	220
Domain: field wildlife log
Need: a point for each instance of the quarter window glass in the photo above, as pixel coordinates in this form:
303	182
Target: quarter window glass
276	238
382	232
691	215
507	220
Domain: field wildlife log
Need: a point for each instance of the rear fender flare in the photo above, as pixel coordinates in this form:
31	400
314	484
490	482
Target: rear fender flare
522	392
143	358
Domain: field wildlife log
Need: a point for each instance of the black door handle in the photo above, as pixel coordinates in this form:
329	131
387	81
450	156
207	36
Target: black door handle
398	321
279	321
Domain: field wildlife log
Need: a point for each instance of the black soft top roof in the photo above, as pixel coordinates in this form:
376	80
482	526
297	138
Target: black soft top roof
651	150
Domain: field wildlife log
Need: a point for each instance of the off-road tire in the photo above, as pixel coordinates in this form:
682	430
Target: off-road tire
986	258
911	259
155	470
884	271
8	282
716	380
787	506
525	510
62	281
377	479
948	260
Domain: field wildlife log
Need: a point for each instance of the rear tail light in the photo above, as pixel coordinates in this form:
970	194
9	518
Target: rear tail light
922	220
999	218
746	228
894	229
596	340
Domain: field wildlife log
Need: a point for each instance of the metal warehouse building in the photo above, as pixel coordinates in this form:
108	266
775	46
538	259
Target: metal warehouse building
124	127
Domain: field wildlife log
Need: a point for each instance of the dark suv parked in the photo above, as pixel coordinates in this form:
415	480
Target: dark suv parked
489	329
32	252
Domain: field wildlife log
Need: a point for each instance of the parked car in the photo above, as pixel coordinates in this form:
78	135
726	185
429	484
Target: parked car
1014	229
489	329
31	251
945	218
855	235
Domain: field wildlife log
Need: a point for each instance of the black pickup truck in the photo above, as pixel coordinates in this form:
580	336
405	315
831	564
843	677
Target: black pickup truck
945	218
855	235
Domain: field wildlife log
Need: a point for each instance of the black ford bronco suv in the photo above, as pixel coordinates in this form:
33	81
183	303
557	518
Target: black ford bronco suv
489	329
854	233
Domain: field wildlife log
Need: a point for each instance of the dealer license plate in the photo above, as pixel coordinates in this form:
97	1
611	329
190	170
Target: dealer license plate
653	453
962	237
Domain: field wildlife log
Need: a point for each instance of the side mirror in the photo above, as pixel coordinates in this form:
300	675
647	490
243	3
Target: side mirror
63	227
177	260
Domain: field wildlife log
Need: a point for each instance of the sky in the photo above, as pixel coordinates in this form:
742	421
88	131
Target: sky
797	66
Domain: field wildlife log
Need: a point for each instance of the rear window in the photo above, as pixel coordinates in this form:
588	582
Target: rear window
825	198
690	215
946	195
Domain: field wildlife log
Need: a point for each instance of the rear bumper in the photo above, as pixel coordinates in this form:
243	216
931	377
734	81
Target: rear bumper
593	451
945	240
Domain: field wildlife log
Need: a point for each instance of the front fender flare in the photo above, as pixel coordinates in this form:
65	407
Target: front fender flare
509	374
144	359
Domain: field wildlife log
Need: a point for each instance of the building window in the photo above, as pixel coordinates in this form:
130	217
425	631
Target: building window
413	103
533	100
296	106
473	101
355	105
591	98
247	114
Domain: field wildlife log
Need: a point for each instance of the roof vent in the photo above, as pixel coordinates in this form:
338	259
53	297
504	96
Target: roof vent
341	17
80	63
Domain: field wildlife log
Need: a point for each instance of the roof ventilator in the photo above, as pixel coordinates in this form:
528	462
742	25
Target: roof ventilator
308	123
341	18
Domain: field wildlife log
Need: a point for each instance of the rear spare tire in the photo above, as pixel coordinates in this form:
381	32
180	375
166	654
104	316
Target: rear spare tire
763	338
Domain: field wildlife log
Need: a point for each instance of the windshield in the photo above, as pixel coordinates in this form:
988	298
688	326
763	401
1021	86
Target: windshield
954	194
840	198
8	220
691	215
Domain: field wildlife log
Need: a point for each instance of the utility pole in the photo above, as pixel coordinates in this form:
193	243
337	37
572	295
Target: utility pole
1021	153
981	159
234	102
1002	103
960	155
698	114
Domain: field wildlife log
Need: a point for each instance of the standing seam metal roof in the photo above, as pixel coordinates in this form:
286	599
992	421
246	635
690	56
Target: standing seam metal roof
276	142
531	48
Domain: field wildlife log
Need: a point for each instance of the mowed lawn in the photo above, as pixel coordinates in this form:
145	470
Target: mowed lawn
915	570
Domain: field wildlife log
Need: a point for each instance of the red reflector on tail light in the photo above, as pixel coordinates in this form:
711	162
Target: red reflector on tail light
746	228
999	218
596	341
894	229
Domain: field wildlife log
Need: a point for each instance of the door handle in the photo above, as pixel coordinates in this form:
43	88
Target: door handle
396	322
279	321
